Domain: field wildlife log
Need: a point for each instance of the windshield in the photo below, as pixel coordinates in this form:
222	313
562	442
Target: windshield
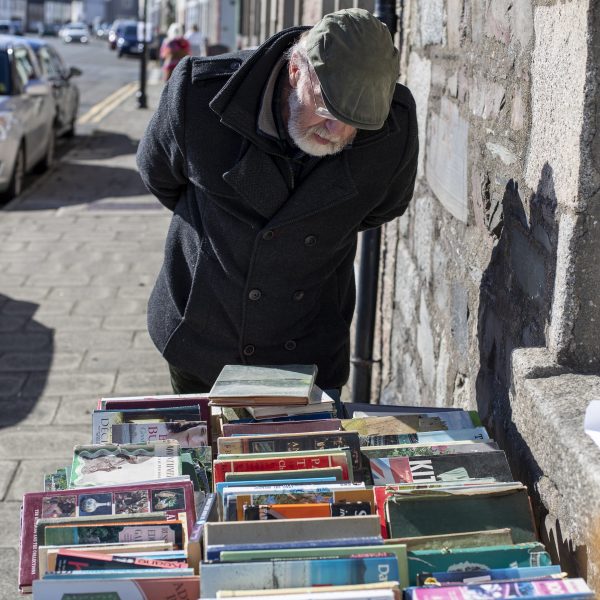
4	74
130	31
77	26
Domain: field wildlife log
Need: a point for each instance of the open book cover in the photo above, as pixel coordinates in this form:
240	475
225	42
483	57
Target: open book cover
244	385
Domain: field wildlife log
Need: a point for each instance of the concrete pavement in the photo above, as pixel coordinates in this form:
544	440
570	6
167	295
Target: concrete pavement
79	252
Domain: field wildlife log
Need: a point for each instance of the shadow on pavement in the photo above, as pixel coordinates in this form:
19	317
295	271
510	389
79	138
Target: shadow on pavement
100	166
26	353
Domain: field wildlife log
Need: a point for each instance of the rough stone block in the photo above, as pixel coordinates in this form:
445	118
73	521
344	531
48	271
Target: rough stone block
425	343
30	443
459	324
407	285
9	568
508	157
419	82
486	98
498	20
411	387
441	374
65	323
432	22
84	293
558	80
454	23
424	234
528	266
521	15
75	409
446	162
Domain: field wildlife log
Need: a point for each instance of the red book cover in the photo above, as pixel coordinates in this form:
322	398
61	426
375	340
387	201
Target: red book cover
230	429
220	467
171	497
79	560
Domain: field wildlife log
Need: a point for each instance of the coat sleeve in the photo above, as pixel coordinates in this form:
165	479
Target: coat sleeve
161	156
401	187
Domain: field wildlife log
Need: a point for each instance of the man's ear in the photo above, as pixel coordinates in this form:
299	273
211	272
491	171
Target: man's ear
294	70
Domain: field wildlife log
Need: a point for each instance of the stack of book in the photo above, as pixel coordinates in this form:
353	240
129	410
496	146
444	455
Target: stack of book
117	518
300	502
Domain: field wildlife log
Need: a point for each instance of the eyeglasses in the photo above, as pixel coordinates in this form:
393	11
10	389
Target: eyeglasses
315	91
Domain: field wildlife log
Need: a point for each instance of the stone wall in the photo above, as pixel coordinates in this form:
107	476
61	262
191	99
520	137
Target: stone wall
498	252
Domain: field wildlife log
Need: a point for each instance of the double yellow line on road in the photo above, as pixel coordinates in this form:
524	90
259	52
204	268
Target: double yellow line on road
104	107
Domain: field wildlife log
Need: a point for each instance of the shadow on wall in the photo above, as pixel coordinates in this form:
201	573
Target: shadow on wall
515	304
26	352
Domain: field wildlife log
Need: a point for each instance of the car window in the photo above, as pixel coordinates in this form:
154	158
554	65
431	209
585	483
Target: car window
4	74
57	61
49	65
23	65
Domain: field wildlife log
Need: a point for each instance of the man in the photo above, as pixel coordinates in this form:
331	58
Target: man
196	40
272	161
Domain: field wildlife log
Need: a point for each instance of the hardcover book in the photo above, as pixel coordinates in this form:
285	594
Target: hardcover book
425	437
532	554
113	533
156	588
326	473
469	539
294	443
189	434
296	573
172	496
281	427
244	385
416	515
103	420
427	450
327	459
446	468
110	464
73	560
553	588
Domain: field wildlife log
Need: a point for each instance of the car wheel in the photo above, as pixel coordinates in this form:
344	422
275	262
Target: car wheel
48	159
15	186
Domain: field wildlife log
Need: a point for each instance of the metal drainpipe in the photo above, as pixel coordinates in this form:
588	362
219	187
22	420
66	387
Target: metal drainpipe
368	274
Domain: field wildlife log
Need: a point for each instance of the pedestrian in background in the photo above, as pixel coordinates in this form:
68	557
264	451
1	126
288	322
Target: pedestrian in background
272	161
173	49
197	41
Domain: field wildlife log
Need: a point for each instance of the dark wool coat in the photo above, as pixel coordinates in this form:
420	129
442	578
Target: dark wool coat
259	270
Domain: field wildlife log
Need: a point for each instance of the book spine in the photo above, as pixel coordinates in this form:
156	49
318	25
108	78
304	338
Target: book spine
279	464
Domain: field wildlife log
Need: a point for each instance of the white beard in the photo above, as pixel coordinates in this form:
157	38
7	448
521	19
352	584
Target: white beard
302	135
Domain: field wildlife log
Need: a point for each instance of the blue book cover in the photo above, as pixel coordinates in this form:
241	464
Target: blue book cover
214	552
219	487
531	554
120	574
296	573
494	574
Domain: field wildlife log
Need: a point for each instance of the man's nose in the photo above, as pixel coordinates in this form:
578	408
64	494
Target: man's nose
334	126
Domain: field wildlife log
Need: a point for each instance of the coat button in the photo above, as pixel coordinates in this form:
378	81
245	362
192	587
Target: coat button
268	235
249	350
310	240
290	345
298	295
254	294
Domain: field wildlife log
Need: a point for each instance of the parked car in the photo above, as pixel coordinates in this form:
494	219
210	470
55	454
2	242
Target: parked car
27	115
127	42
60	77
115	31
50	29
11	27
75	32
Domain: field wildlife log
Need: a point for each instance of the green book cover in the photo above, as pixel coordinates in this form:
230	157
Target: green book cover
532	554
461	511
106	533
282	381
113	464
248	555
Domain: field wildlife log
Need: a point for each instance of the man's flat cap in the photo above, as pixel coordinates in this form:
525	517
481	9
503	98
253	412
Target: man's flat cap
354	57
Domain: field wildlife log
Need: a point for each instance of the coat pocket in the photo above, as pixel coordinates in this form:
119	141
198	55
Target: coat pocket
198	306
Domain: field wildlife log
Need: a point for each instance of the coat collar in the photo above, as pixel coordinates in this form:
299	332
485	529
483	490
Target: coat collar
256	177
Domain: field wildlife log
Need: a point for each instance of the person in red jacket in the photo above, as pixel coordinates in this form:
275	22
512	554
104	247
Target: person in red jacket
173	49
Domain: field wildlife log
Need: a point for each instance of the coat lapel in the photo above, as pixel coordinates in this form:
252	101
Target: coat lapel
259	182
328	184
